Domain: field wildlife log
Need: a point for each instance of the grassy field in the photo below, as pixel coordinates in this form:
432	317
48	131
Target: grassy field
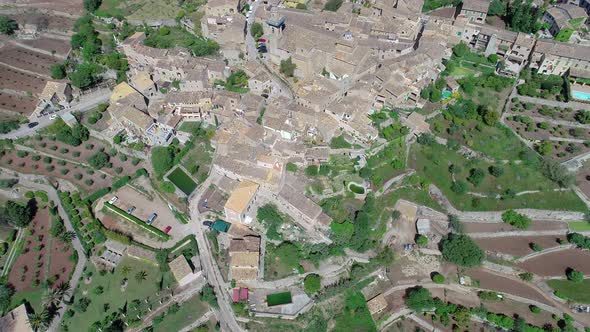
579	226
433	162
113	295
198	161
388	163
506	145
189	312
280	261
577	292
33	297
184	182
139	9
413	195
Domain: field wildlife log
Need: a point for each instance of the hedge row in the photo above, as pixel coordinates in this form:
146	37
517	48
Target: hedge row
137	221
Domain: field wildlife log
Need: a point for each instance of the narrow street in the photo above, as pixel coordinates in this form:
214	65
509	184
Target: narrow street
211	271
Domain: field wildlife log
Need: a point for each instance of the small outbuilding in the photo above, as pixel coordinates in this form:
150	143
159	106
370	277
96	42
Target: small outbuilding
423	226
377	304
182	271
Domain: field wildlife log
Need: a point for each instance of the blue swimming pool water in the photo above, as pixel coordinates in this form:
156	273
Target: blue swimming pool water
581	95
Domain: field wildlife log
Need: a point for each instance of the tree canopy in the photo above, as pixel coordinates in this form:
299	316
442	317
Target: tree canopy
312	284
516	219
256	30
7	25
461	250
419	299
18	214
92	5
288	67
162	159
99	160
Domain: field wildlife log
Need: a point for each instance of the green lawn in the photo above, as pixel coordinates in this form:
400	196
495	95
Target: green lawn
139	9
278	298
577	292
506	145
189	312
280	261
113	295
579	226
417	196
33	297
433	162
198	161
181	180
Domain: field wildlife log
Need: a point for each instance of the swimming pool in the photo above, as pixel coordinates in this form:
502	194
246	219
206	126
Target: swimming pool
585	96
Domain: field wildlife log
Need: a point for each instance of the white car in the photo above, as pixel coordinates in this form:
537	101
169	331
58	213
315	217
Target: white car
113	200
53	117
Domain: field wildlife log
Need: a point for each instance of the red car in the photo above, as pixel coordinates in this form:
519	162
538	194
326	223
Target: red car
262	40
167	229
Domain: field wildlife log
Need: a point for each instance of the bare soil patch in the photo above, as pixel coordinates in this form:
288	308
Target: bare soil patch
20	57
57	46
555	263
17	103
20	81
29	166
30	265
73	7
84	151
61	267
517	245
502	284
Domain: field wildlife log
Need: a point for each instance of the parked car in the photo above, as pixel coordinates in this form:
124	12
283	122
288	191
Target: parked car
113	200
32	124
262	40
131	209
167	229
207	223
53	117
151	218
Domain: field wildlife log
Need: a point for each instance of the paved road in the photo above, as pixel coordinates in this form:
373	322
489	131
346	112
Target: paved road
89	102
210	269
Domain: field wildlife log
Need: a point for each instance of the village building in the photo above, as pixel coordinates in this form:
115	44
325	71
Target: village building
142	82
182	271
240	201
377	304
54	97
564	16
16	320
244	256
555	58
475	11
